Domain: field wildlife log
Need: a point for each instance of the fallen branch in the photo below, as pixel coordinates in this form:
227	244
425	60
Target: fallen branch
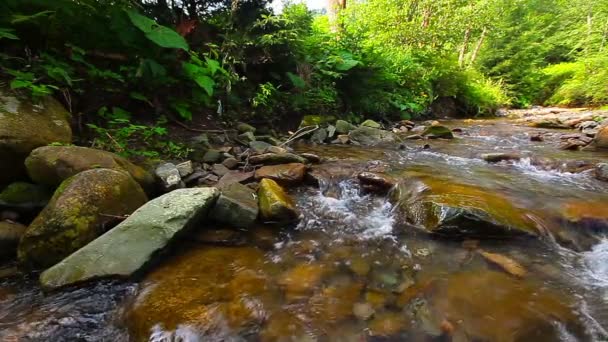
300	133
183	125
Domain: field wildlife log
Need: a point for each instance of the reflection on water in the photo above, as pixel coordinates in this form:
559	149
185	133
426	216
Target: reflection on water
354	270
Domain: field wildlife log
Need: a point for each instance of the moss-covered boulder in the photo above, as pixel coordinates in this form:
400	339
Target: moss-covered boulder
51	165
10	233
22	195
368	136
135	242
438	131
24	126
275	204
83	207
344	127
371	123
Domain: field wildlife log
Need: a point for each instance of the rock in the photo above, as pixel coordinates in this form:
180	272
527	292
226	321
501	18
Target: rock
274	159
212	156
370	123
25	126
418	129
208	180
319	136
246	137
83	207
10	233
388	324
509	265
549	122
230	163
129	246
601	172
334	303
537	137
21	195
414	137
302	279
524	310
51	165
219	169
275	204
169	177
313	158
259	146
331	131
498	157
437	131
235	177
185	169
601	138
376	182
368	136
464	211
344	127
312	120
363	311
244	128
342	139
573	144
237	206
285	174
193	178
275	149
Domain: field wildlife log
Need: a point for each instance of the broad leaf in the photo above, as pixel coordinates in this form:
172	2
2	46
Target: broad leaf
8	34
205	82
160	35
296	80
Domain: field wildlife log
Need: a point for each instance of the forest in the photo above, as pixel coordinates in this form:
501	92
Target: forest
128	68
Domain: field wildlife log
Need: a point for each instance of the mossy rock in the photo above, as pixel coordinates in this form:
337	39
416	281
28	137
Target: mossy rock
344	127
24	126
25	195
275	204
438	131
312	120
244	128
51	165
368	136
82	208
371	123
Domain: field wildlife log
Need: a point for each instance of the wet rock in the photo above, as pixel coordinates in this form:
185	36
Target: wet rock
464	211
538	137
331	131
509	265
244	128
342	139
195	177
523	311
498	157
230	163
129	246
169	177
213	290
208	180
25	126
376	182
312	120
83	207
312	158
185	169
237	206
319	136
302	279
259	146
275	204
368	136
438	131
549	122
246	137
371	123
359	266
219	169
274	159
334	303
51	165
24	196
388	324
275	149
601	138
10	233
285	174
235	177
212	156
283	326
601	172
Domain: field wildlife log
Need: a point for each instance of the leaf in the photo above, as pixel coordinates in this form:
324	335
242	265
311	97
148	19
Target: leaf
205	82
8	34
347	64
296	80
139	96
16	84
19	18
213	65
158	34
183	110
507	264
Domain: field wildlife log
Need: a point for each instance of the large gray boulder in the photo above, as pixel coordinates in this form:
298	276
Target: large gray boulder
368	136
237	206
82	208
24	126
133	243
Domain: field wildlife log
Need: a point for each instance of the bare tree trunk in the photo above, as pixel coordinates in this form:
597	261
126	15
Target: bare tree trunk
604	36
463	48
589	30
334	7
478	46
426	19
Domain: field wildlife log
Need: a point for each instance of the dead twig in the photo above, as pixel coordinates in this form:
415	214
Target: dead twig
300	133
120	149
183	125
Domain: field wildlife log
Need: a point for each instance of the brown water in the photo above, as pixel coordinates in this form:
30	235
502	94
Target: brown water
354	270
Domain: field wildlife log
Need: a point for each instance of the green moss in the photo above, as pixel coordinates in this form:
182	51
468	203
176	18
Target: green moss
24	193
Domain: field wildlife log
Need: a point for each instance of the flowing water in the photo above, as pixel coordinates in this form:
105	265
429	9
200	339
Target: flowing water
353	269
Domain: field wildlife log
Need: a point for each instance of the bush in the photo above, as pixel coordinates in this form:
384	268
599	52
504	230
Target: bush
582	83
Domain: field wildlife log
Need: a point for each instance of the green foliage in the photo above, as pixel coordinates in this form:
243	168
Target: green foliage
160	35
580	83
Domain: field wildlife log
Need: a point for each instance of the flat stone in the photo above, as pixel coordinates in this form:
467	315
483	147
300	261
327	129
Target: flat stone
185	169
132	244
169	176
235	177
219	169
286	174
212	156
276	158
236	206
498	157
230	163
259	146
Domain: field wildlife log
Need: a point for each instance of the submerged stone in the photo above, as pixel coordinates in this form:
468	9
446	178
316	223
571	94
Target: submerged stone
82	208
129	246
285	174
51	165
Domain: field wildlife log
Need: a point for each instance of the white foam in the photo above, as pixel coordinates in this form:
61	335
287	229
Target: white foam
596	265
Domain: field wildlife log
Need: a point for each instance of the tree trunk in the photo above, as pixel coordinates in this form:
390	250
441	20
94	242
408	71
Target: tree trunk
334	7
604	36
478	46
589	30
465	44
